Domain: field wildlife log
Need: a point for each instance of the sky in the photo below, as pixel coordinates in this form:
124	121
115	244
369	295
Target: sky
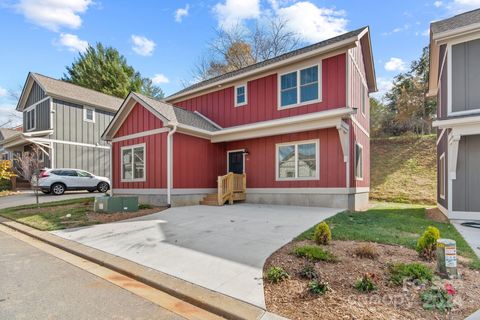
163	39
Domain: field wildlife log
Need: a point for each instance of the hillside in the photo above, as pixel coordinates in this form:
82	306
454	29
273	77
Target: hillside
403	169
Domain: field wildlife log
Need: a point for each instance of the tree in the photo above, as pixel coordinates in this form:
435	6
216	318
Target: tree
238	47
29	166
104	69
151	90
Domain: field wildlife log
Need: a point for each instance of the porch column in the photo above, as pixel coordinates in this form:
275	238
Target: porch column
453	142
344	135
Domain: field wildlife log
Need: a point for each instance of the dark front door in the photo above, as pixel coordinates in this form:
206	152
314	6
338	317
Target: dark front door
235	162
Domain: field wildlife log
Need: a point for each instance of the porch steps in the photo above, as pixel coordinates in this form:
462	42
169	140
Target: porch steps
210	200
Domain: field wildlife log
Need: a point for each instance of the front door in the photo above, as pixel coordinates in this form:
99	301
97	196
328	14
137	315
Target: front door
235	162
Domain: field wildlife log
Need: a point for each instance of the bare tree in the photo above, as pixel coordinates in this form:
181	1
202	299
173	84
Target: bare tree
29	166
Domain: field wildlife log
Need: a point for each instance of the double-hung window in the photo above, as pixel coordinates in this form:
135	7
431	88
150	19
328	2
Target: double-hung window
299	87
441	176
298	160
30	116
133	163
88	114
358	161
241	95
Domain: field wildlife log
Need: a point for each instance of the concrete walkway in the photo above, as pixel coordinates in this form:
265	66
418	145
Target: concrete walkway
471	235
219	248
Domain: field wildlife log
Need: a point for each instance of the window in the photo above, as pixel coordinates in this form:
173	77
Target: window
297	160
358	161
441	176
30	116
241	95
88	114
133	163
299	87
83	174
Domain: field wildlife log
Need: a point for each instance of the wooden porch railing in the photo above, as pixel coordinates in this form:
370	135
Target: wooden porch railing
231	187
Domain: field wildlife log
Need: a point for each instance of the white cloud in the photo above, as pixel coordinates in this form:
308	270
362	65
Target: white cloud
384	85
142	45
232	12
395	64
438	4
396	30
160	78
313	23
457	6
180	13
54	14
72	42
3	92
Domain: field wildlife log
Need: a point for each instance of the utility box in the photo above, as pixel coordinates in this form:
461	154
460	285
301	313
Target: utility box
447	258
115	204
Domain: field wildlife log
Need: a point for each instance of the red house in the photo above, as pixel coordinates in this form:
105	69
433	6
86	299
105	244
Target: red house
293	130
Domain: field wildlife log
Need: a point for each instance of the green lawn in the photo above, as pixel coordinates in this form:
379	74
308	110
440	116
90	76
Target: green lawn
391	223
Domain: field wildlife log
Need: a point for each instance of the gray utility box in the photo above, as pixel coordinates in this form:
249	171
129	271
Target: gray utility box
447	258
116	204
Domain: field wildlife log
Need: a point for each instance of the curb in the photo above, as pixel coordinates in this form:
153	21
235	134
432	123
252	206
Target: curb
201	297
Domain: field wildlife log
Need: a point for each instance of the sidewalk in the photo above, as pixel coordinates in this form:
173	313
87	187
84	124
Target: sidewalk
471	235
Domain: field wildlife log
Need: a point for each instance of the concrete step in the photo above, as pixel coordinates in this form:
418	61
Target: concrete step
209	203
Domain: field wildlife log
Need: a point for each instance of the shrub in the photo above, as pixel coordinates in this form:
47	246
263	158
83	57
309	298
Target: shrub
143	206
415	272
367	250
322	233
276	274
314	253
427	243
367	283
318	287
308	272
436	298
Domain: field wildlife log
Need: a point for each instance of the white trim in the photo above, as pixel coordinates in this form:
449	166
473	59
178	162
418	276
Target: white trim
140	134
110	153
441	135
31	110
363	105
52	156
244	85
132	147
163	191
36	103
296	144
464	215
298	70
359	126
449	123
228	158
85	109
308	190
71	143
442	209
442	173
357	177
51	113
364	81
208	120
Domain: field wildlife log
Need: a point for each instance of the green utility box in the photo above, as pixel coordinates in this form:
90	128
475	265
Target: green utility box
115	204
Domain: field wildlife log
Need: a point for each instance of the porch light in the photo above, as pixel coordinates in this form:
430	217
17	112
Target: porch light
355	110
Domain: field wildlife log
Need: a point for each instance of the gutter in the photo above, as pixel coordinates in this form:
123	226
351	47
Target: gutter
170	162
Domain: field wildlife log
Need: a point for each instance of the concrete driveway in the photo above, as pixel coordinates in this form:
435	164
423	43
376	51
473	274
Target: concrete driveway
220	248
28	197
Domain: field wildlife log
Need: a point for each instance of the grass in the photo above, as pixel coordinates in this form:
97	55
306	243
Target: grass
410	272
314	253
390	223
403	169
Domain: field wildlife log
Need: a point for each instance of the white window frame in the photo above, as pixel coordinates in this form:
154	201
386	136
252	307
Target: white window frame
244	85
442	174
295	144
363	106
228	158
85	109
28	111
299	104
132	147
357	177
449	53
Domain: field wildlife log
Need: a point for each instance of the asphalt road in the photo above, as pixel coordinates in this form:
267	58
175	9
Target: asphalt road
36	285
28	197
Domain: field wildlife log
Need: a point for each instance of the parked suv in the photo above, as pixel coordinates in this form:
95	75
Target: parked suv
57	181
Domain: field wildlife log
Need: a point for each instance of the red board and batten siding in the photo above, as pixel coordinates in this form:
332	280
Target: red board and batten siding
139	120
263	95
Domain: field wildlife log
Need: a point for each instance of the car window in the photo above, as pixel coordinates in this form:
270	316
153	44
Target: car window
83	174
69	173
56	172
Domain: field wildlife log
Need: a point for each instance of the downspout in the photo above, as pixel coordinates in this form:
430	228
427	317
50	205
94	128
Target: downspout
170	162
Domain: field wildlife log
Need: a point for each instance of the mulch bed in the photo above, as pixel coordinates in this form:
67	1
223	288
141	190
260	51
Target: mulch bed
291	298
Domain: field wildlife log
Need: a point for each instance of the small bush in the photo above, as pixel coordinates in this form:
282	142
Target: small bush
318	287
415	272
427	243
314	253
143	206
322	233
368	251
436	298
308	272
367	283
277	274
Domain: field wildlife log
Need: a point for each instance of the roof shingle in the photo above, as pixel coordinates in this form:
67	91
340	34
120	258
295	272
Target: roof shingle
455	22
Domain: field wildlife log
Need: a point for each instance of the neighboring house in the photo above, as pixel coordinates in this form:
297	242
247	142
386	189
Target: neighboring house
297	125
7	133
455	81
66	122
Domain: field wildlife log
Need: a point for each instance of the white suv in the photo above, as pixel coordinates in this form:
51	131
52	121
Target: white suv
57	181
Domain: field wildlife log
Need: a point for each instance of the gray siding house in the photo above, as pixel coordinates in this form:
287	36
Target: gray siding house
66	121
455	81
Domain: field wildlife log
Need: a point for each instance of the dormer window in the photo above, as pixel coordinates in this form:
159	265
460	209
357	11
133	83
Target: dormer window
241	95
88	114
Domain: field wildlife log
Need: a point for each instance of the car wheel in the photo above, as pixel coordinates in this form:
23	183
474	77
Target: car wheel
58	189
46	191
103	187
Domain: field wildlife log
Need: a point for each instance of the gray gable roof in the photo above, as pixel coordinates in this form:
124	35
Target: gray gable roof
267	62
456	22
180	115
6	133
59	88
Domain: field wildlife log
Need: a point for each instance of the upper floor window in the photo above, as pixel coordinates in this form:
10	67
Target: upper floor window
30	117
241	95
297	160
300	87
133	163
88	114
